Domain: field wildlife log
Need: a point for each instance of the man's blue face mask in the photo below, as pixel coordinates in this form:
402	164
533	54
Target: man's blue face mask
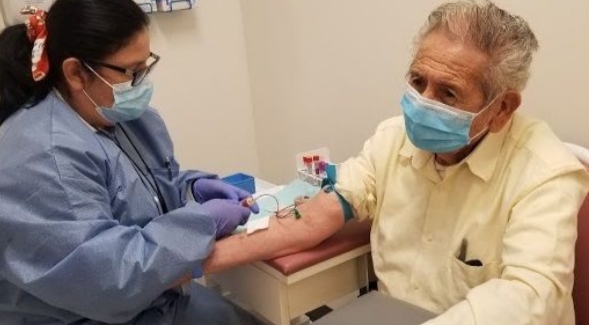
130	102
434	126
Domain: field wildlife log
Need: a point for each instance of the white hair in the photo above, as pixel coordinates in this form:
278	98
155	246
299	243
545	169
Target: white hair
506	39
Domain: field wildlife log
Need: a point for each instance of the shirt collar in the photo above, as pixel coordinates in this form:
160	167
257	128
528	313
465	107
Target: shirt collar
418	157
481	162
58	95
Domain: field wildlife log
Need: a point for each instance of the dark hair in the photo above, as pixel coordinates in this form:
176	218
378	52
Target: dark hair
85	29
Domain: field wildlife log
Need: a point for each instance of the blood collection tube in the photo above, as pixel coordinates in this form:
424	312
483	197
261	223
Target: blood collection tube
308	162
316	160
322	168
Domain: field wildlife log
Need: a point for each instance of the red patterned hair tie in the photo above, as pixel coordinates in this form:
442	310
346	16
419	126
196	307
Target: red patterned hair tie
37	33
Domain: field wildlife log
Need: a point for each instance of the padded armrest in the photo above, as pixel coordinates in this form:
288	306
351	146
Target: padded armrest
581	287
351	236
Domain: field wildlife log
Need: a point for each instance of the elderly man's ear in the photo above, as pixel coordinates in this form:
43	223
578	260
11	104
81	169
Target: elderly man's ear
510	101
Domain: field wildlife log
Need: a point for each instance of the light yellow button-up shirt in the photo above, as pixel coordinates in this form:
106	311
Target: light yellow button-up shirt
513	201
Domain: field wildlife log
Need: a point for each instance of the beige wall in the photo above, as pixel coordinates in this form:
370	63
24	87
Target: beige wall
557	92
202	86
325	72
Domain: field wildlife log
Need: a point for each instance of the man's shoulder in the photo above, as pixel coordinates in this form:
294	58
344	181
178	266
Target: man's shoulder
534	140
393	124
388	132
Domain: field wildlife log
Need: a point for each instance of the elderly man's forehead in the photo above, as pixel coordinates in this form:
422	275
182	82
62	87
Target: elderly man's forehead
450	57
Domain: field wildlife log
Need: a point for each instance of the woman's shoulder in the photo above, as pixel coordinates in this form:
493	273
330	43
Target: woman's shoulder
48	127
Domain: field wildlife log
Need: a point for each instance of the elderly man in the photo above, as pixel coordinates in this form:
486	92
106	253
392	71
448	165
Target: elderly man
473	206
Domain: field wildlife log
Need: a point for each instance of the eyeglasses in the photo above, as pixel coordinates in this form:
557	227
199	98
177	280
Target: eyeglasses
138	75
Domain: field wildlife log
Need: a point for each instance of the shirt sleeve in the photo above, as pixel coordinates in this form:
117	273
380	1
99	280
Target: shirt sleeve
73	255
356	177
537	261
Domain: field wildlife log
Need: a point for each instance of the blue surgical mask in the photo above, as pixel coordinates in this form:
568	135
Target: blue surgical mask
436	127
130	102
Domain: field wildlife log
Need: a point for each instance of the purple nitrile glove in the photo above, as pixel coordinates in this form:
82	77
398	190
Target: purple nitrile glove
205	189
227	214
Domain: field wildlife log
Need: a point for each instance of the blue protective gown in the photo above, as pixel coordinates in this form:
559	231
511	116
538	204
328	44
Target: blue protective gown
83	239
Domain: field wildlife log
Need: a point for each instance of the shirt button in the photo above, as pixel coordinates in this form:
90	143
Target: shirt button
416	287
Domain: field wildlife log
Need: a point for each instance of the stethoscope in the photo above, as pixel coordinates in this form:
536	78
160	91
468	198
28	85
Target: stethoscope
146	177
145	174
